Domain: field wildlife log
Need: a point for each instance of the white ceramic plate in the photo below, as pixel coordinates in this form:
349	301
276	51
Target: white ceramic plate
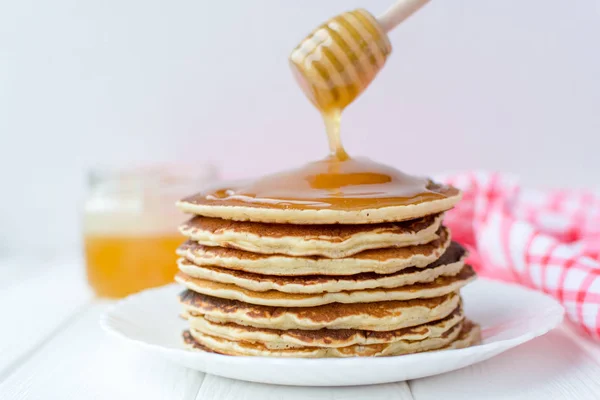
508	314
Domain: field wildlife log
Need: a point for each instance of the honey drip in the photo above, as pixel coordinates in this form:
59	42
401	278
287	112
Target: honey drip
333	66
332	121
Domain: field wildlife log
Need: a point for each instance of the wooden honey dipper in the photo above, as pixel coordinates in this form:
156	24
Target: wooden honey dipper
340	58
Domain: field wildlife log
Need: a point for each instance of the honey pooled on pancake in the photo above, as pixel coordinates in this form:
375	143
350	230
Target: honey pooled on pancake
350	191
351	184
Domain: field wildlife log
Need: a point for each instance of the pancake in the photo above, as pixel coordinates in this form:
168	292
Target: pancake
334	241
439	287
242	348
449	264
380	261
469	335
278	339
329	191
379	316
253	212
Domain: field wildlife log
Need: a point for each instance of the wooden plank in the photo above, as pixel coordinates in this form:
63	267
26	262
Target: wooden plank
34	306
217	388
82	362
553	366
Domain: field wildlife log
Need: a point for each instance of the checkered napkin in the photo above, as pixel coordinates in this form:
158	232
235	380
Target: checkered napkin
546	240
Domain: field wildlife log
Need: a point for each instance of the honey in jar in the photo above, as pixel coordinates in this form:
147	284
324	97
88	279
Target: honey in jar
130	227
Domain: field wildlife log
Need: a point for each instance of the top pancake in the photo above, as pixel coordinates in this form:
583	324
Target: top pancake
329	191
333	241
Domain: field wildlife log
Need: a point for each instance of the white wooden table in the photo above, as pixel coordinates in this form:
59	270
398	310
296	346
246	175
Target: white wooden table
51	347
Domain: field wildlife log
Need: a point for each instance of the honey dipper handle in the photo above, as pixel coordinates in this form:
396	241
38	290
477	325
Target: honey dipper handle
397	13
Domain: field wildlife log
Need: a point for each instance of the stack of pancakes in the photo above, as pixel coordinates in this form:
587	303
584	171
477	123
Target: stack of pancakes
259	285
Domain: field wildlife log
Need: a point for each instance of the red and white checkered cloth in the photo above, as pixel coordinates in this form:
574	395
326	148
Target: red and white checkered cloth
546	240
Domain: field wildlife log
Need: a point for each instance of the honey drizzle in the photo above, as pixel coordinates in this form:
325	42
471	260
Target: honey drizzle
339	73
332	121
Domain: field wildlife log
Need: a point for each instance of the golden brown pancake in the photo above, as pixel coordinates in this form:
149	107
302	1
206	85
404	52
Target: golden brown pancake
333	241
439	287
379	316
451	262
469	335
277	339
243	348
381	261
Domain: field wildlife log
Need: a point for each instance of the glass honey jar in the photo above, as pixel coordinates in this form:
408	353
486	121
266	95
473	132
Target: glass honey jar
130	226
